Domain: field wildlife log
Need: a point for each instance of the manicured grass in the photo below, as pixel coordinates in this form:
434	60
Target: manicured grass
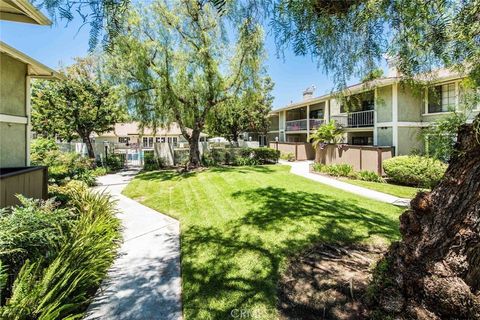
239	224
393	189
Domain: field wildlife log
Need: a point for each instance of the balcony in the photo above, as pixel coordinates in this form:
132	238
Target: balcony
358	119
301	125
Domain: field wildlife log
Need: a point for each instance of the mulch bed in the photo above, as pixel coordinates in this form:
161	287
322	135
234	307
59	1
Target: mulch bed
327	282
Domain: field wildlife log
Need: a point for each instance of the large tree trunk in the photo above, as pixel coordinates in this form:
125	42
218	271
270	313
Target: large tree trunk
194	157
88	143
434	271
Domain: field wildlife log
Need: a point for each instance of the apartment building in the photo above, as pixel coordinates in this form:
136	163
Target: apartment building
382	112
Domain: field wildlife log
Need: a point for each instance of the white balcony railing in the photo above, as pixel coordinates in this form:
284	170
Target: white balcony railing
301	125
356	119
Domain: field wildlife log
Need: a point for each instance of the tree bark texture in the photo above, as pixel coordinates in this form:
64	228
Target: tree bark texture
194	157
88	143
434	271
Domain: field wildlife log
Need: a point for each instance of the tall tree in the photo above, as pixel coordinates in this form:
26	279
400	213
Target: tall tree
175	64
246	113
81	103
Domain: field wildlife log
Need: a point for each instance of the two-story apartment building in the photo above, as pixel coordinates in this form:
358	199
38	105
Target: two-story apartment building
16	72
382	112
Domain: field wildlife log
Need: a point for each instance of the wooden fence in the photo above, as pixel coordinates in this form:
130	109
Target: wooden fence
30	182
301	150
360	157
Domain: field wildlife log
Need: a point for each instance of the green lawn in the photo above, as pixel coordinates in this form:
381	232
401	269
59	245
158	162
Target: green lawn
239	224
393	189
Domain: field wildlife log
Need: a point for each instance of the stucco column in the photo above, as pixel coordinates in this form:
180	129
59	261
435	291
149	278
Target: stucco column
395	116
375	120
29	121
308	123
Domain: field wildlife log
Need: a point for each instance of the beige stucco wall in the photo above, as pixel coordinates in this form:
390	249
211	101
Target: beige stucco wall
410	104
383	104
410	140
297	137
351	135
334	107
384	136
12	145
12	89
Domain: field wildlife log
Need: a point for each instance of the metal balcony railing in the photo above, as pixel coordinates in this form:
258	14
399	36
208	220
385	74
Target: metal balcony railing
356	119
301	125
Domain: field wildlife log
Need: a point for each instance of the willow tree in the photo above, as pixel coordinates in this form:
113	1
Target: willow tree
176	63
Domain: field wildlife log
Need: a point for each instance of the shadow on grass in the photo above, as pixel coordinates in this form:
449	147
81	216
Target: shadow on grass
165	175
277	206
244	169
174	175
236	265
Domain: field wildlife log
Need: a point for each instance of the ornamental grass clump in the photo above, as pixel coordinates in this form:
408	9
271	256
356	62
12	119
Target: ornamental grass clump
61	284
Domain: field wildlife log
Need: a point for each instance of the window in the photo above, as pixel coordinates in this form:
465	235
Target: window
316	114
148	142
123	139
442	98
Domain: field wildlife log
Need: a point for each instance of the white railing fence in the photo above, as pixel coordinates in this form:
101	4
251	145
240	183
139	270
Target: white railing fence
356	119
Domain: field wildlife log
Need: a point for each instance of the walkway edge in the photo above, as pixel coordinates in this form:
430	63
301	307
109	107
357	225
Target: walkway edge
302	168
144	281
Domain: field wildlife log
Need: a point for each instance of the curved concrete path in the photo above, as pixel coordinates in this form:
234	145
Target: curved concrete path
302	168
144	281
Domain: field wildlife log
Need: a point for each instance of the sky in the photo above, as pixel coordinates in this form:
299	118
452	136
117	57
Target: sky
58	44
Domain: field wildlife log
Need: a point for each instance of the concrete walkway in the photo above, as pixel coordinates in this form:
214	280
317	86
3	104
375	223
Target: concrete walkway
144	282
302	168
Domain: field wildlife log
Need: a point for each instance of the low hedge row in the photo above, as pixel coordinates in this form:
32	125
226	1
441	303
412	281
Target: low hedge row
414	171
240	156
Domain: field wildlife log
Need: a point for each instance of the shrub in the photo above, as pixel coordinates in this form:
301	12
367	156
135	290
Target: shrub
62	286
287	156
265	155
34	230
414	170
114	162
366	175
66	166
150	162
39	148
99	171
240	156
64	193
336	170
318	167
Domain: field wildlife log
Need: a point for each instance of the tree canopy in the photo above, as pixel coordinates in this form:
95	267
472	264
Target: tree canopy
248	112
177	62
81	103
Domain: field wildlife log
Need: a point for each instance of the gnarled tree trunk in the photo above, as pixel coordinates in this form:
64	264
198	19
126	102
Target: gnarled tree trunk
434	271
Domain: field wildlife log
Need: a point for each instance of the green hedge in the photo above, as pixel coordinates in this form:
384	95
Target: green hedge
240	156
414	170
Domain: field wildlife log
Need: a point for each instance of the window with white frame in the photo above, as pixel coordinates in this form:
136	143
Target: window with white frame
148	142
442	98
123	139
